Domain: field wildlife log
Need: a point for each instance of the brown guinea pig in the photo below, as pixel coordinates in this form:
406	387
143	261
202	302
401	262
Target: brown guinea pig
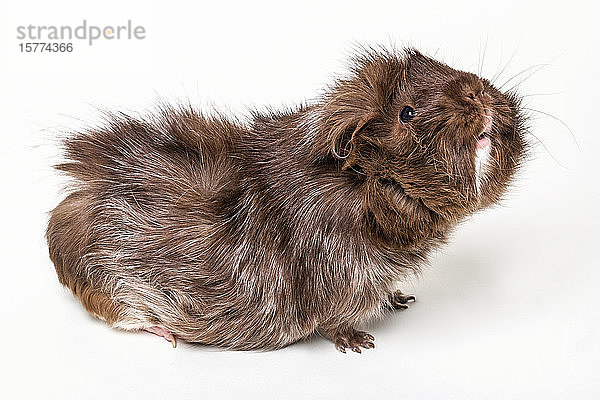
253	236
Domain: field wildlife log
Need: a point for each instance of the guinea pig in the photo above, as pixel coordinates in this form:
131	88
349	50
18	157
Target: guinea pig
256	234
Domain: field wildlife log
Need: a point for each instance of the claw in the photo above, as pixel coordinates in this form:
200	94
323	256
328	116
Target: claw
399	300
160	331
353	340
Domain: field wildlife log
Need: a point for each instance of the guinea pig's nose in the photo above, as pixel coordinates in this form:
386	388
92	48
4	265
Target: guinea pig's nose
465	89
473	91
474	94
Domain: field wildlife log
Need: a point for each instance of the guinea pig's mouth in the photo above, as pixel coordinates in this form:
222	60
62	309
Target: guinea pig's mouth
483	140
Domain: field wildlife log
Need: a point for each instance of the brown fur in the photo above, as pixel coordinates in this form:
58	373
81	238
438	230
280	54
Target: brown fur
253	237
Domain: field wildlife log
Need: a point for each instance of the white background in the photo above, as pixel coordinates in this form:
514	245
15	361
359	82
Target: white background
508	310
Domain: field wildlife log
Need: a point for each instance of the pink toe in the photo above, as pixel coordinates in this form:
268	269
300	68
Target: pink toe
160	331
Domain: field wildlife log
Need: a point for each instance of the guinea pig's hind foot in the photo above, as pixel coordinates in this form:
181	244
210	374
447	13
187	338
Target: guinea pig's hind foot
160	331
352	339
399	300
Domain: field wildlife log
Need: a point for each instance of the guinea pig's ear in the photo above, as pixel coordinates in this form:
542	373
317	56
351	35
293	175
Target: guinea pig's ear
352	104
345	140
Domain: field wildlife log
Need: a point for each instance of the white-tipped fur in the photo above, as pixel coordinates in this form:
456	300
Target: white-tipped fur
482	159
482	156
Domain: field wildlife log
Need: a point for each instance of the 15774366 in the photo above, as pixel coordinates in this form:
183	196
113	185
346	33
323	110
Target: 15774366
50	47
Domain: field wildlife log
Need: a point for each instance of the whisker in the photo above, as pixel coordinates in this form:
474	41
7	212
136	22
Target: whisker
499	63
479	55
548	151
538	66
541	94
541	66
496	76
524	79
559	120
487	35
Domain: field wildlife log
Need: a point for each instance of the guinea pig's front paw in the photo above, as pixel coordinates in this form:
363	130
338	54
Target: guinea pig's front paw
399	300
353	340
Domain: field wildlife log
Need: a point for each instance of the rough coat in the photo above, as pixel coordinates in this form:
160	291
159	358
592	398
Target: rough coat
253	236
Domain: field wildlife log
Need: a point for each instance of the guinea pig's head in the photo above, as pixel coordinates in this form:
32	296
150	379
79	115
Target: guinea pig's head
423	132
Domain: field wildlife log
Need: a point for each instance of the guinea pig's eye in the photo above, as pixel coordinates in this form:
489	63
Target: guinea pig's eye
407	114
